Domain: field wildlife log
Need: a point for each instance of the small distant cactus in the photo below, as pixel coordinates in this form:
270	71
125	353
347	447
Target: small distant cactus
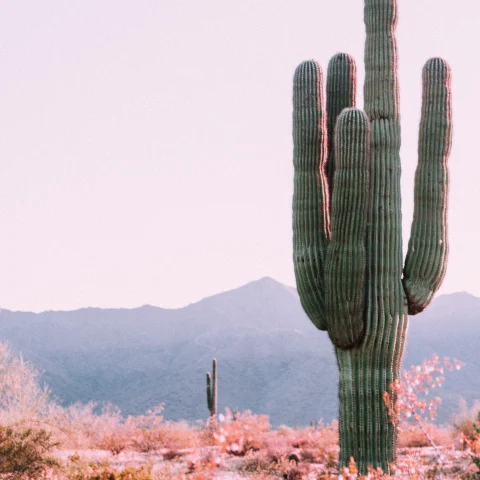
316	424
212	390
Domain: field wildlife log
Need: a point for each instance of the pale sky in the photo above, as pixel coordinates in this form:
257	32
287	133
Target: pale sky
146	147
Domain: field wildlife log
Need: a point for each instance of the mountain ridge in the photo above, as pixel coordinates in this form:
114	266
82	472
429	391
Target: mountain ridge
266	347
261	280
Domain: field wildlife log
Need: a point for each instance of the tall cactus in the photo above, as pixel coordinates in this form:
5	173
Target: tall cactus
212	390
347	223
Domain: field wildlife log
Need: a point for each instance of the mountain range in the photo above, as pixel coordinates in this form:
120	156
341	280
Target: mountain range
271	359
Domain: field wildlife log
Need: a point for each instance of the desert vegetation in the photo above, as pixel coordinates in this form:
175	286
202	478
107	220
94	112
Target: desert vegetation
39	439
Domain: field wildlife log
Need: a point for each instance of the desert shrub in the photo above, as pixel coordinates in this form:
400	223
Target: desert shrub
77	425
269	460
465	419
476	446
411	408
80	426
266	463
313	445
21	396
106	430
415	437
142	429
79	469
172	455
472	446
176	435
311	437
165	472
198	468
206	461
408	400
24	453
237	437
257	462
290	469
288	453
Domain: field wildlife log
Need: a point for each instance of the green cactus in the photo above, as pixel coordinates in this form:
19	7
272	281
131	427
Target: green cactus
347	223
212	390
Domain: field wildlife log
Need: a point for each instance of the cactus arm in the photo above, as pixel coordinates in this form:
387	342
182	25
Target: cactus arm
209	393
426	260
341	93
346	254
311	222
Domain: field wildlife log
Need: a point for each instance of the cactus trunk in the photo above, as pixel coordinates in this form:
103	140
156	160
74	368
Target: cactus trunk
212	391
365	373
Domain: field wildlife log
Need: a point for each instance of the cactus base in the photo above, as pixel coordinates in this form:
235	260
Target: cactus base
366	432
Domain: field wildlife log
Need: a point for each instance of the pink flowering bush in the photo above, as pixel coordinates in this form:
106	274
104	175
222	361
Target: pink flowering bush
409	398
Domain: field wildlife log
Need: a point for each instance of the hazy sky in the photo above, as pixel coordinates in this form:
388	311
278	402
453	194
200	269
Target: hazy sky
146	148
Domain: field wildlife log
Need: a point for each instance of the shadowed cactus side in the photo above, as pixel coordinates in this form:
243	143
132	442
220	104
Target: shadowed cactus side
347	235
212	390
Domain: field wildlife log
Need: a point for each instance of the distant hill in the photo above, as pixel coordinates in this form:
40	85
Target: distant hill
271	358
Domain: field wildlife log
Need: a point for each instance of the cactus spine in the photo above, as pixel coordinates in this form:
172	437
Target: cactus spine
347	223
212	387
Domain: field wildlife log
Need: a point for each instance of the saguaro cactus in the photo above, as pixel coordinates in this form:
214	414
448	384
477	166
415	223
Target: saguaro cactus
212	390
347	223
